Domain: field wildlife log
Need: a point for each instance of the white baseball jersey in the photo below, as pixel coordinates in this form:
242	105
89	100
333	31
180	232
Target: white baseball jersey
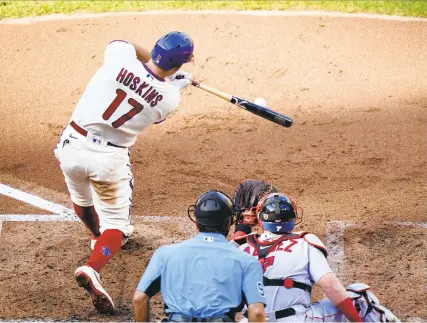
124	97
302	259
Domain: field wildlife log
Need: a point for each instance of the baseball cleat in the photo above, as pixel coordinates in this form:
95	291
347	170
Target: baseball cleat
88	278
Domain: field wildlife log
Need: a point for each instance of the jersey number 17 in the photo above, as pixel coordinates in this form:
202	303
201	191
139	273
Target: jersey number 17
121	95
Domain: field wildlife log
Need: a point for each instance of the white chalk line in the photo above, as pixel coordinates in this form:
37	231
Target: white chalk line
38	218
335	246
335	242
62	217
63	214
33	200
334	229
415	320
412	224
268	13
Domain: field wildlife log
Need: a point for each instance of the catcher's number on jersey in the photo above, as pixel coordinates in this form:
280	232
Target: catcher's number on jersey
121	95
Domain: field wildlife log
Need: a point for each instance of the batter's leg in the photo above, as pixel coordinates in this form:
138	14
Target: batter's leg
113	204
107	245
73	163
111	186
88	215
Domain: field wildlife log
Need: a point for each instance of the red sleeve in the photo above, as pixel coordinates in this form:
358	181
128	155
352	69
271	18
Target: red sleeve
347	308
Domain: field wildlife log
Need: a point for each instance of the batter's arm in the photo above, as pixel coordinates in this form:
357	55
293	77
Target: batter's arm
141	307
142	54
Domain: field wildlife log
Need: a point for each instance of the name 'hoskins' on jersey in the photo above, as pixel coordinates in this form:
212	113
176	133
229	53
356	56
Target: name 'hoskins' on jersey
129	79
124	97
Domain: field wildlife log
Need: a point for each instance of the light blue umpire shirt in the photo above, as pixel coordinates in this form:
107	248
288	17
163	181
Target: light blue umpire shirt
203	277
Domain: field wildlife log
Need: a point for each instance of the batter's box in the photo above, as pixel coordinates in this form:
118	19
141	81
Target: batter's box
391	258
38	259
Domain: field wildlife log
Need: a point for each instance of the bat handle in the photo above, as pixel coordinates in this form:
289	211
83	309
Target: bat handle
209	89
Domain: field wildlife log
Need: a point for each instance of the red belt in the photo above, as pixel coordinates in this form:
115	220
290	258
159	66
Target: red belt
83	132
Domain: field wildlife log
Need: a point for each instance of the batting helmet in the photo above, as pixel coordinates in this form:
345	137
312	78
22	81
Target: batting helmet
277	213
212	208
172	50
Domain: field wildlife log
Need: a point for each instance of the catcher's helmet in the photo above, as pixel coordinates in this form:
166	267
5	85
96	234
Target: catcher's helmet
172	50
277	213
212	208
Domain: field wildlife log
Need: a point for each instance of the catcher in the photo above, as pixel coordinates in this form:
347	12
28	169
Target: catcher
294	261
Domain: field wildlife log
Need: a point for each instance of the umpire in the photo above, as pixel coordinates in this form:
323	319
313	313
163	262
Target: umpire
203	279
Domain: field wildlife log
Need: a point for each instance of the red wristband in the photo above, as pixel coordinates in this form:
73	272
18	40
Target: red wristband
347	308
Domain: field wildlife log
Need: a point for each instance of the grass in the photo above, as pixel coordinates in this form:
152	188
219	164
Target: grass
12	9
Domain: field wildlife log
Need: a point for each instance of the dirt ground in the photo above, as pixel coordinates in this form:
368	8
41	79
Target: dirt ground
356	88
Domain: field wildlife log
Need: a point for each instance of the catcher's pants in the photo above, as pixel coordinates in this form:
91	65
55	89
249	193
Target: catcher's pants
175	317
98	175
366	303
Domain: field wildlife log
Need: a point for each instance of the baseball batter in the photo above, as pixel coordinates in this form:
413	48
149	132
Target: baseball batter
132	90
294	261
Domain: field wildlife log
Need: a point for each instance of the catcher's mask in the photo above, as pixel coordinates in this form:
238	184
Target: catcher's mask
212	208
278	213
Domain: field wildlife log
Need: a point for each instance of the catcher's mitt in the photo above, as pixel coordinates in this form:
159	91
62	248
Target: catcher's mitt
247	195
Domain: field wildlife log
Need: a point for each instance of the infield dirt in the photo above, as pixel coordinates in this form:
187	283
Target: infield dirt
356	88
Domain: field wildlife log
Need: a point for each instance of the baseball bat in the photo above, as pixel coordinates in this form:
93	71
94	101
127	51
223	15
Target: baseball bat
265	113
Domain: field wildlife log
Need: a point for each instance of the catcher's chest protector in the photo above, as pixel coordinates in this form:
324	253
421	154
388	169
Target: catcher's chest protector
263	248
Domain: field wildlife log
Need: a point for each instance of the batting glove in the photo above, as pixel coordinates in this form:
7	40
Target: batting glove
180	79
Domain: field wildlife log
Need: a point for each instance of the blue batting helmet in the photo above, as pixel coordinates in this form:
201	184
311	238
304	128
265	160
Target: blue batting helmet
172	50
277	213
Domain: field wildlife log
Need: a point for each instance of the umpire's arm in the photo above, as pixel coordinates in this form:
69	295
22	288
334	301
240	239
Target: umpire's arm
148	286
253	289
141	307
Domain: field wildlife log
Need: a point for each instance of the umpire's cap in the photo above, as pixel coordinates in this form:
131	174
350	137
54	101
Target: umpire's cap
212	208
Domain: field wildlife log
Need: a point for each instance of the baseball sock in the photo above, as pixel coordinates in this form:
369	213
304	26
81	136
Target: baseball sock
107	245
88	215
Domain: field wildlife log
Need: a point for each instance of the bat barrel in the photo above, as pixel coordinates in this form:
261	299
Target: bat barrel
265	113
